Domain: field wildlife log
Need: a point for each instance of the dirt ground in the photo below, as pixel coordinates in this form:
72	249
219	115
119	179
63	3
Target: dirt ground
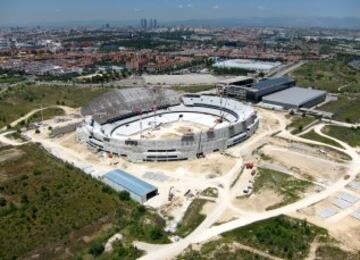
214	165
70	142
323	152
207	208
312	168
228	216
258	202
171	130
345	229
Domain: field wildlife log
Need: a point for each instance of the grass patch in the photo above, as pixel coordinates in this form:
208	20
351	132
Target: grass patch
335	253
281	236
194	89
350	136
345	109
210	192
192	218
46	114
312	135
219	249
16	136
17	101
287	186
51	204
299	123
328	75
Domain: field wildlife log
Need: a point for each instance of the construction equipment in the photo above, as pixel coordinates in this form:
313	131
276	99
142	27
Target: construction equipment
249	165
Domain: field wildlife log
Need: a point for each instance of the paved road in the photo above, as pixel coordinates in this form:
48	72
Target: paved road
288	69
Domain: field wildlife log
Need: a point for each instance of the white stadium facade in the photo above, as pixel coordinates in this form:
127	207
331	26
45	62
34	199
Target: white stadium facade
137	124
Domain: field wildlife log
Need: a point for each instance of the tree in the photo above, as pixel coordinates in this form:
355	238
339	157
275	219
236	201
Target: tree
156	233
3	202
96	249
24	199
124	196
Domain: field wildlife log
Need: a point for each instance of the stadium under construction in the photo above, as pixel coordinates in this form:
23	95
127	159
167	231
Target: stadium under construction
142	124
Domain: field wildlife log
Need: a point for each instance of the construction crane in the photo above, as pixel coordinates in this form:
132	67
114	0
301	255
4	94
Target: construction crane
139	111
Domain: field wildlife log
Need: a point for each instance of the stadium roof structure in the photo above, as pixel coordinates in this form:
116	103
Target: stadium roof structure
295	96
127	100
130	182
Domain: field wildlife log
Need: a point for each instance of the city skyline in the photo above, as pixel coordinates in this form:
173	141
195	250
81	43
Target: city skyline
41	11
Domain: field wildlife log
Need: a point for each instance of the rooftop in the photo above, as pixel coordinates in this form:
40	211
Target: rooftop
294	96
268	83
130	182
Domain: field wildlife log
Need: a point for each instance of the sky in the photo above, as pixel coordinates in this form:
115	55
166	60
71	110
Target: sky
33	11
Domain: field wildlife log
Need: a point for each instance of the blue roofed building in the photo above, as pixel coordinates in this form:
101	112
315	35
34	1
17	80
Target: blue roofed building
138	189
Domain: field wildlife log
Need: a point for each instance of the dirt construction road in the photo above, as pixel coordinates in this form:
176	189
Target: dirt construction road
205	232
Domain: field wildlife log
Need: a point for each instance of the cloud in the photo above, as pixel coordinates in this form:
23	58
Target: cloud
189	6
137	10
180	6
216	7
260	7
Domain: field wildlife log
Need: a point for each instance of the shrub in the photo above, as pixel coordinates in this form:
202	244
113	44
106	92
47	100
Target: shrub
96	249
3	202
156	233
124	196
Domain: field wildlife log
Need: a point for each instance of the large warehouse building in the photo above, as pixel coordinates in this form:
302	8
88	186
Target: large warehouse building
295	98
139	190
255	92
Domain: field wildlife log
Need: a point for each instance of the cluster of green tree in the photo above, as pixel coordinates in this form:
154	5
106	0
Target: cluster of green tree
194	63
62	77
11	72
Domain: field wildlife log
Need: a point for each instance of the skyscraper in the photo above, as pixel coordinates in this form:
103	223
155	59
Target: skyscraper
145	24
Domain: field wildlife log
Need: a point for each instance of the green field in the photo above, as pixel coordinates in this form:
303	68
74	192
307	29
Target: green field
312	135
46	204
287	186
299	123
329	75
192	218
17	101
281	236
350	136
346	108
